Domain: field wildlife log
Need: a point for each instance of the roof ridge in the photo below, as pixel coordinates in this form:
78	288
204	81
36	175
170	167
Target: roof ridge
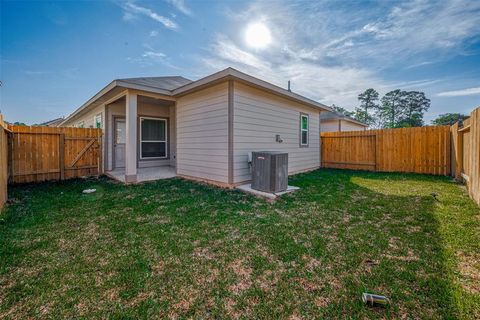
136	78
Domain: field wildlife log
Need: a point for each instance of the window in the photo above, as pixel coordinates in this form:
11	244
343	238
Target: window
303	130
81	124
153	138
97	121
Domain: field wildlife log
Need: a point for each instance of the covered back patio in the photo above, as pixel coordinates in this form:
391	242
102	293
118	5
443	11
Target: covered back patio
140	138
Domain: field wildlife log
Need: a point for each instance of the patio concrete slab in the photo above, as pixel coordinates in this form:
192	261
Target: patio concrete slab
145	174
248	188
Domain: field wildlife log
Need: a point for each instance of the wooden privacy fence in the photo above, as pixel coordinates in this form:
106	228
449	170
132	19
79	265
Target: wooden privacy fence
418	150
3	161
53	153
466	153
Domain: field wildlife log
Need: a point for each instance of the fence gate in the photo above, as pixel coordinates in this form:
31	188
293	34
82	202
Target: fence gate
49	153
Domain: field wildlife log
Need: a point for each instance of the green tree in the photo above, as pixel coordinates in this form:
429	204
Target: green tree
392	109
364	117
448	119
343	111
415	106
368	102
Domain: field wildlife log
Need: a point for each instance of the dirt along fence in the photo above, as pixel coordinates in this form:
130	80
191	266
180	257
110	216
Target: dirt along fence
466	153
53	153
3	161
418	150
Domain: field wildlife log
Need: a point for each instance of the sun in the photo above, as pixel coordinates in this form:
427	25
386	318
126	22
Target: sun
258	35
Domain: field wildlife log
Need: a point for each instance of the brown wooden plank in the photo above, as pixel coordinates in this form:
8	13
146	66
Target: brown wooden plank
420	150
40	153
61	155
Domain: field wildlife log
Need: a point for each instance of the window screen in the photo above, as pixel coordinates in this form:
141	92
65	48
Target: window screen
153	142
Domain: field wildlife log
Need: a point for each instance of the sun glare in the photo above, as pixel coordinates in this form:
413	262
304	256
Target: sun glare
258	35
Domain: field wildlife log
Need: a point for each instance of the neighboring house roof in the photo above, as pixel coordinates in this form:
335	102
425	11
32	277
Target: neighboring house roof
331	115
176	86
52	123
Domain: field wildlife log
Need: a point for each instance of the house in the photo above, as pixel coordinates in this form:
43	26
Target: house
52	123
203	130
334	121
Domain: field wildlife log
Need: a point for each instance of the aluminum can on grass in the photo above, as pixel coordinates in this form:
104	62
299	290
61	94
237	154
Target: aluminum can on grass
375	300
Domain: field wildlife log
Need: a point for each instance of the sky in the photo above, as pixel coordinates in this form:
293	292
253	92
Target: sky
54	56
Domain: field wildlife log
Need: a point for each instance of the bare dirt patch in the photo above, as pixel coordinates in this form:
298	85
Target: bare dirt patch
203	253
243	273
469	267
322	302
410	256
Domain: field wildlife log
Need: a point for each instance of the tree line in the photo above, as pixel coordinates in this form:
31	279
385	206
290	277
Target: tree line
396	109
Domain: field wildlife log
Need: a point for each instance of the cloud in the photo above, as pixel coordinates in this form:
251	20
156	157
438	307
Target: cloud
332	53
153	33
180	6
420	64
227	50
131	11
153	55
460	93
374	34
336	84
36	72
421	26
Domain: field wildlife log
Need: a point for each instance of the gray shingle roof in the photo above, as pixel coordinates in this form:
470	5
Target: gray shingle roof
165	83
50	122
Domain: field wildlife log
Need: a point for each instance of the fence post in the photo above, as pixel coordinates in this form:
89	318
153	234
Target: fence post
459	155
61	154
100	153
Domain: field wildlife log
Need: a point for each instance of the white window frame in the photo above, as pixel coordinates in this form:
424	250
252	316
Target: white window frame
97	116
166	138
81	124
304	115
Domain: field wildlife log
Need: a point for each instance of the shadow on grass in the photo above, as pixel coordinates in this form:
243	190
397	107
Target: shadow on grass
152	248
391	220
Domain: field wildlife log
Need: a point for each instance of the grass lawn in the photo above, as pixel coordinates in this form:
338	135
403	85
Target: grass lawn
179	249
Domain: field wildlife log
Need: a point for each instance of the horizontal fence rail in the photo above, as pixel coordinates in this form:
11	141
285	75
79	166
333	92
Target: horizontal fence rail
53	153
417	150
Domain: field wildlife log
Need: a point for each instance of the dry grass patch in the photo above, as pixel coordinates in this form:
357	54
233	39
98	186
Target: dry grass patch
177	249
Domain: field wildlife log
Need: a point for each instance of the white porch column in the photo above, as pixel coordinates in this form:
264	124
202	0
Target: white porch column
131	138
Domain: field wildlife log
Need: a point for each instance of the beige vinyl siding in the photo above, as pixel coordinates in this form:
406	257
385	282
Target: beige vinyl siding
351	126
202	134
329	125
87	118
258	117
344	125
